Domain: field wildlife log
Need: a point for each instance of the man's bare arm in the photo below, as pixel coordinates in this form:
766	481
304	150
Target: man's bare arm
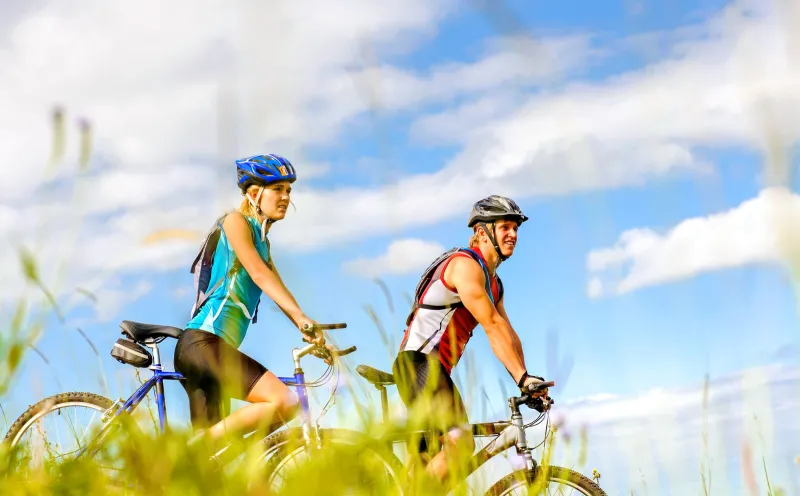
466	276
501	309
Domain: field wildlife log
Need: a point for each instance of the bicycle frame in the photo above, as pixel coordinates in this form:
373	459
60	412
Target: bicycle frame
157	381
506	434
160	375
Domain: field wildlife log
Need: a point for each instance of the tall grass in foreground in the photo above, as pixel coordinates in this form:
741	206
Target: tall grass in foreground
137	461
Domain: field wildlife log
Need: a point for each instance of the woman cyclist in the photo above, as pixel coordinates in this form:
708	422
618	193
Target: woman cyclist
207	352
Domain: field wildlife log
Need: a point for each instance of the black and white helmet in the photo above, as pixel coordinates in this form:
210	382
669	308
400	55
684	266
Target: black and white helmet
494	208
490	210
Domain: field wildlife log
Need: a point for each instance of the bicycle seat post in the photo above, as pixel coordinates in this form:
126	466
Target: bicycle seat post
161	400
384	403
153	345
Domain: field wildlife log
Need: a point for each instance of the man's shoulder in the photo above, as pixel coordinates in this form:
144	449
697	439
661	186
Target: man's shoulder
462	263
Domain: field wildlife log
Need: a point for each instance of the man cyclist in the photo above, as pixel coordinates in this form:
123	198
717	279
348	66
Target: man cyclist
457	292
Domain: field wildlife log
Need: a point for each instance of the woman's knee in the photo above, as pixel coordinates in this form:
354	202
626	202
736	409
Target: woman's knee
290	406
270	389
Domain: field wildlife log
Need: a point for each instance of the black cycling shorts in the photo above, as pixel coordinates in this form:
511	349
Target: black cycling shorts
418	376
215	372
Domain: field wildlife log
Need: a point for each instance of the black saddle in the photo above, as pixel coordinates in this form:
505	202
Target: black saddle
141	332
374	376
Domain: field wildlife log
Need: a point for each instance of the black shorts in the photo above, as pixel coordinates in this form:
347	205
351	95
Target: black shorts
215	372
420	376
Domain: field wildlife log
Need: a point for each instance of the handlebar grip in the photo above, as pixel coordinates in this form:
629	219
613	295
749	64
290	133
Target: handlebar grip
540	386
311	328
341	353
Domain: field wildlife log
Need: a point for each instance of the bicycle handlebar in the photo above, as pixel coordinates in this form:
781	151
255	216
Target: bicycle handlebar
544	385
326	353
311	329
346	351
539	404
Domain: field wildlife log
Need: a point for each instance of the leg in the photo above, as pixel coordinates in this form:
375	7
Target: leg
435	404
458	442
216	372
272	405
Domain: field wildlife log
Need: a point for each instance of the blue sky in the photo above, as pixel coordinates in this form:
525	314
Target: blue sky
651	144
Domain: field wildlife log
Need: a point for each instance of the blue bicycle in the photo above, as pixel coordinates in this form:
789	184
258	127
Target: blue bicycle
71	437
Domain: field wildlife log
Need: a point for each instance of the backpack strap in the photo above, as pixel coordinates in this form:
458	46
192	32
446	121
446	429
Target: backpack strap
500	290
425	281
201	267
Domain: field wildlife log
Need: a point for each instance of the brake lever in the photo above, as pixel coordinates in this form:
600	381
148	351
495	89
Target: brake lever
324	352
321	352
540	404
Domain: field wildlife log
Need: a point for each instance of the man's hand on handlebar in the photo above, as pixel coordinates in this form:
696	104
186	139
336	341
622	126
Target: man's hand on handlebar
536	389
535	386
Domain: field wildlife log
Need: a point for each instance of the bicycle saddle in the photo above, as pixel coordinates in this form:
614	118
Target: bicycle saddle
141	332
375	376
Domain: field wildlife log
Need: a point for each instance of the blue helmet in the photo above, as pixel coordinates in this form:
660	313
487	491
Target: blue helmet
263	169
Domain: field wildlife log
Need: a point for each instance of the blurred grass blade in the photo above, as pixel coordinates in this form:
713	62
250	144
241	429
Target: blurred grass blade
31	273
58	144
86	144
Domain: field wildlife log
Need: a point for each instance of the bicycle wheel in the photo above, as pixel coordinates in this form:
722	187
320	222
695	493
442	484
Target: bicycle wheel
51	430
348	462
548	480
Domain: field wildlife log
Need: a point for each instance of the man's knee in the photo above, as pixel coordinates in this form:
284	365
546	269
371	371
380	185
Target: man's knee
461	439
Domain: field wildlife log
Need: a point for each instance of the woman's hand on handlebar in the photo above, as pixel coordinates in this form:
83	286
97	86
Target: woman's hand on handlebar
326	353
315	337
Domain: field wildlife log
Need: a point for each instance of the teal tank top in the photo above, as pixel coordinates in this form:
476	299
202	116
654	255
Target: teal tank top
230	307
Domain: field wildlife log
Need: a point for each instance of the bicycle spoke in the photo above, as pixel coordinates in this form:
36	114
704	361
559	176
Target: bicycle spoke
88	426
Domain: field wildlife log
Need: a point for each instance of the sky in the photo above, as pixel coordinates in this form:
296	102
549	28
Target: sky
652	145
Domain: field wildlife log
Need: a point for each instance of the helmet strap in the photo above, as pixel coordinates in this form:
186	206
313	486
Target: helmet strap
257	205
490	233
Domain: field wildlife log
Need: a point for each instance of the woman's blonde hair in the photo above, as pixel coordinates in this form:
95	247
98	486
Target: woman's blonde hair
246	208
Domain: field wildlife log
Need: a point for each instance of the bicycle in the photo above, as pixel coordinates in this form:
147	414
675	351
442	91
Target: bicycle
506	434
111	414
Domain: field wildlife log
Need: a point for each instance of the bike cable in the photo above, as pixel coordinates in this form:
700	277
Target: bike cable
331	399
546	429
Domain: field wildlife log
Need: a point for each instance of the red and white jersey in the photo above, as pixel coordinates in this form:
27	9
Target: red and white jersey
444	331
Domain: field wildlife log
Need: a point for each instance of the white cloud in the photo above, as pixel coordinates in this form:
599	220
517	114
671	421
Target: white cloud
507	61
466	122
403	256
761	230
